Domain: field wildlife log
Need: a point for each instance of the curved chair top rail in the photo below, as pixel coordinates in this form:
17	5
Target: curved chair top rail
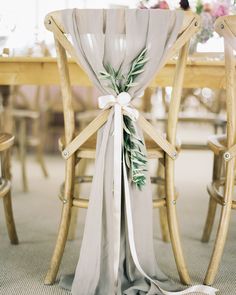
56	16
53	22
225	26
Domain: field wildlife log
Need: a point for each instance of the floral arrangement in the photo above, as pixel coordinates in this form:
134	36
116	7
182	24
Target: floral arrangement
134	152
162	4
207	9
209	12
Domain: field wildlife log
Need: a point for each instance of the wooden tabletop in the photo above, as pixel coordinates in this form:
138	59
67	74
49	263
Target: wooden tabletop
203	70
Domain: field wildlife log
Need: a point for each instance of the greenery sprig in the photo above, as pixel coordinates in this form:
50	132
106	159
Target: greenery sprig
118	82
135	158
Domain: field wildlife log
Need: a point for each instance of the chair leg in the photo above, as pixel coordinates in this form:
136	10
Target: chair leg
64	224
212	203
11	228
162	210
209	221
22	148
41	161
223	226
73	224
81	168
173	223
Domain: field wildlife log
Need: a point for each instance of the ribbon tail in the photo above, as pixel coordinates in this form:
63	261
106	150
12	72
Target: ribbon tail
198	288
118	138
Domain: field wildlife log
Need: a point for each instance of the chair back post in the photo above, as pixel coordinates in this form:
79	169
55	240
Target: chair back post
190	27
69	116
230	94
226	27
176	94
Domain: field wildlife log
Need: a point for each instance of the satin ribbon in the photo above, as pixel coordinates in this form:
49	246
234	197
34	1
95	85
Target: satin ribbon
121	105
122	100
194	289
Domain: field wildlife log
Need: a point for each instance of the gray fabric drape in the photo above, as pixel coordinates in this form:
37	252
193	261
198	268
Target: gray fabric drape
117	37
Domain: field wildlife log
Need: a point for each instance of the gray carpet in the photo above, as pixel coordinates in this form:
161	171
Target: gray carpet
37	213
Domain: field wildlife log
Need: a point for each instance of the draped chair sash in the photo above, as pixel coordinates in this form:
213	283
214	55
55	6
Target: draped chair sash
117	253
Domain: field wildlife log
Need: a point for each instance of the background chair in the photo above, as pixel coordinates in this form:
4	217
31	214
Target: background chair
84	145
223	147
195	109
28	129
6	142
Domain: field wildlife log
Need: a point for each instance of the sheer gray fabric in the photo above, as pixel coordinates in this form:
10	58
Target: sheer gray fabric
117	37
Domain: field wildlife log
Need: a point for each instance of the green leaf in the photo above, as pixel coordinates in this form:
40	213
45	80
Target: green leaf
134	155
126	129
105	74
132	84
143	61
137	72
127	160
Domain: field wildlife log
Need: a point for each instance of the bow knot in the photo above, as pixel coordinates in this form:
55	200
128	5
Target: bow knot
123	100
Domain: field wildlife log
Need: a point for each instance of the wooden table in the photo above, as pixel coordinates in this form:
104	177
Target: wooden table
201	71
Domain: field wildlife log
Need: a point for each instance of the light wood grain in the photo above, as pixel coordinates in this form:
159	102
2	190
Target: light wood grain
200	72
225	26
6	141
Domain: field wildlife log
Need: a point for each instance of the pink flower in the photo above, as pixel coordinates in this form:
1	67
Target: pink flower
220	8
207	7
163	5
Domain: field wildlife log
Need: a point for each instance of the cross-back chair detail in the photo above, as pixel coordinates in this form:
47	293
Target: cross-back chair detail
224	148
74	147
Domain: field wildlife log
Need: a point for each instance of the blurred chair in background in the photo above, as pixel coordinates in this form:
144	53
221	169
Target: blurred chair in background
27	115
198	106
6	143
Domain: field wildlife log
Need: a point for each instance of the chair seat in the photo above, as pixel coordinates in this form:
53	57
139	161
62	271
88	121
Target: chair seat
209	118
33	141
217	143
25	114
6	141
216	189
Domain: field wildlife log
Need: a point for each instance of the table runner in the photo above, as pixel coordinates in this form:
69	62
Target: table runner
117	252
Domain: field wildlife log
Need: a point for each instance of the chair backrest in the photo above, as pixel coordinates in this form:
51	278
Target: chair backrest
226	27
53	22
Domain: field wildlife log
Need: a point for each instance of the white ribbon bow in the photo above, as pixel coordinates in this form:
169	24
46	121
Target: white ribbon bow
123	100
121	105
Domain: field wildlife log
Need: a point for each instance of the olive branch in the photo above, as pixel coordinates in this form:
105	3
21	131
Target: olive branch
134	155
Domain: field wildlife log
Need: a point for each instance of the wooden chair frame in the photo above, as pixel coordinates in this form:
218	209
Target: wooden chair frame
21	118
73	145
6	142
224	155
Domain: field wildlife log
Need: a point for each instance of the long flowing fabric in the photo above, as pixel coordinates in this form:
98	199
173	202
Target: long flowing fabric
117	252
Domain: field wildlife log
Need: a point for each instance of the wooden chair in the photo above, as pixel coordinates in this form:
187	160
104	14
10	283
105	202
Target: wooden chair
74	148
6	142
224	149
25	116
211	117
